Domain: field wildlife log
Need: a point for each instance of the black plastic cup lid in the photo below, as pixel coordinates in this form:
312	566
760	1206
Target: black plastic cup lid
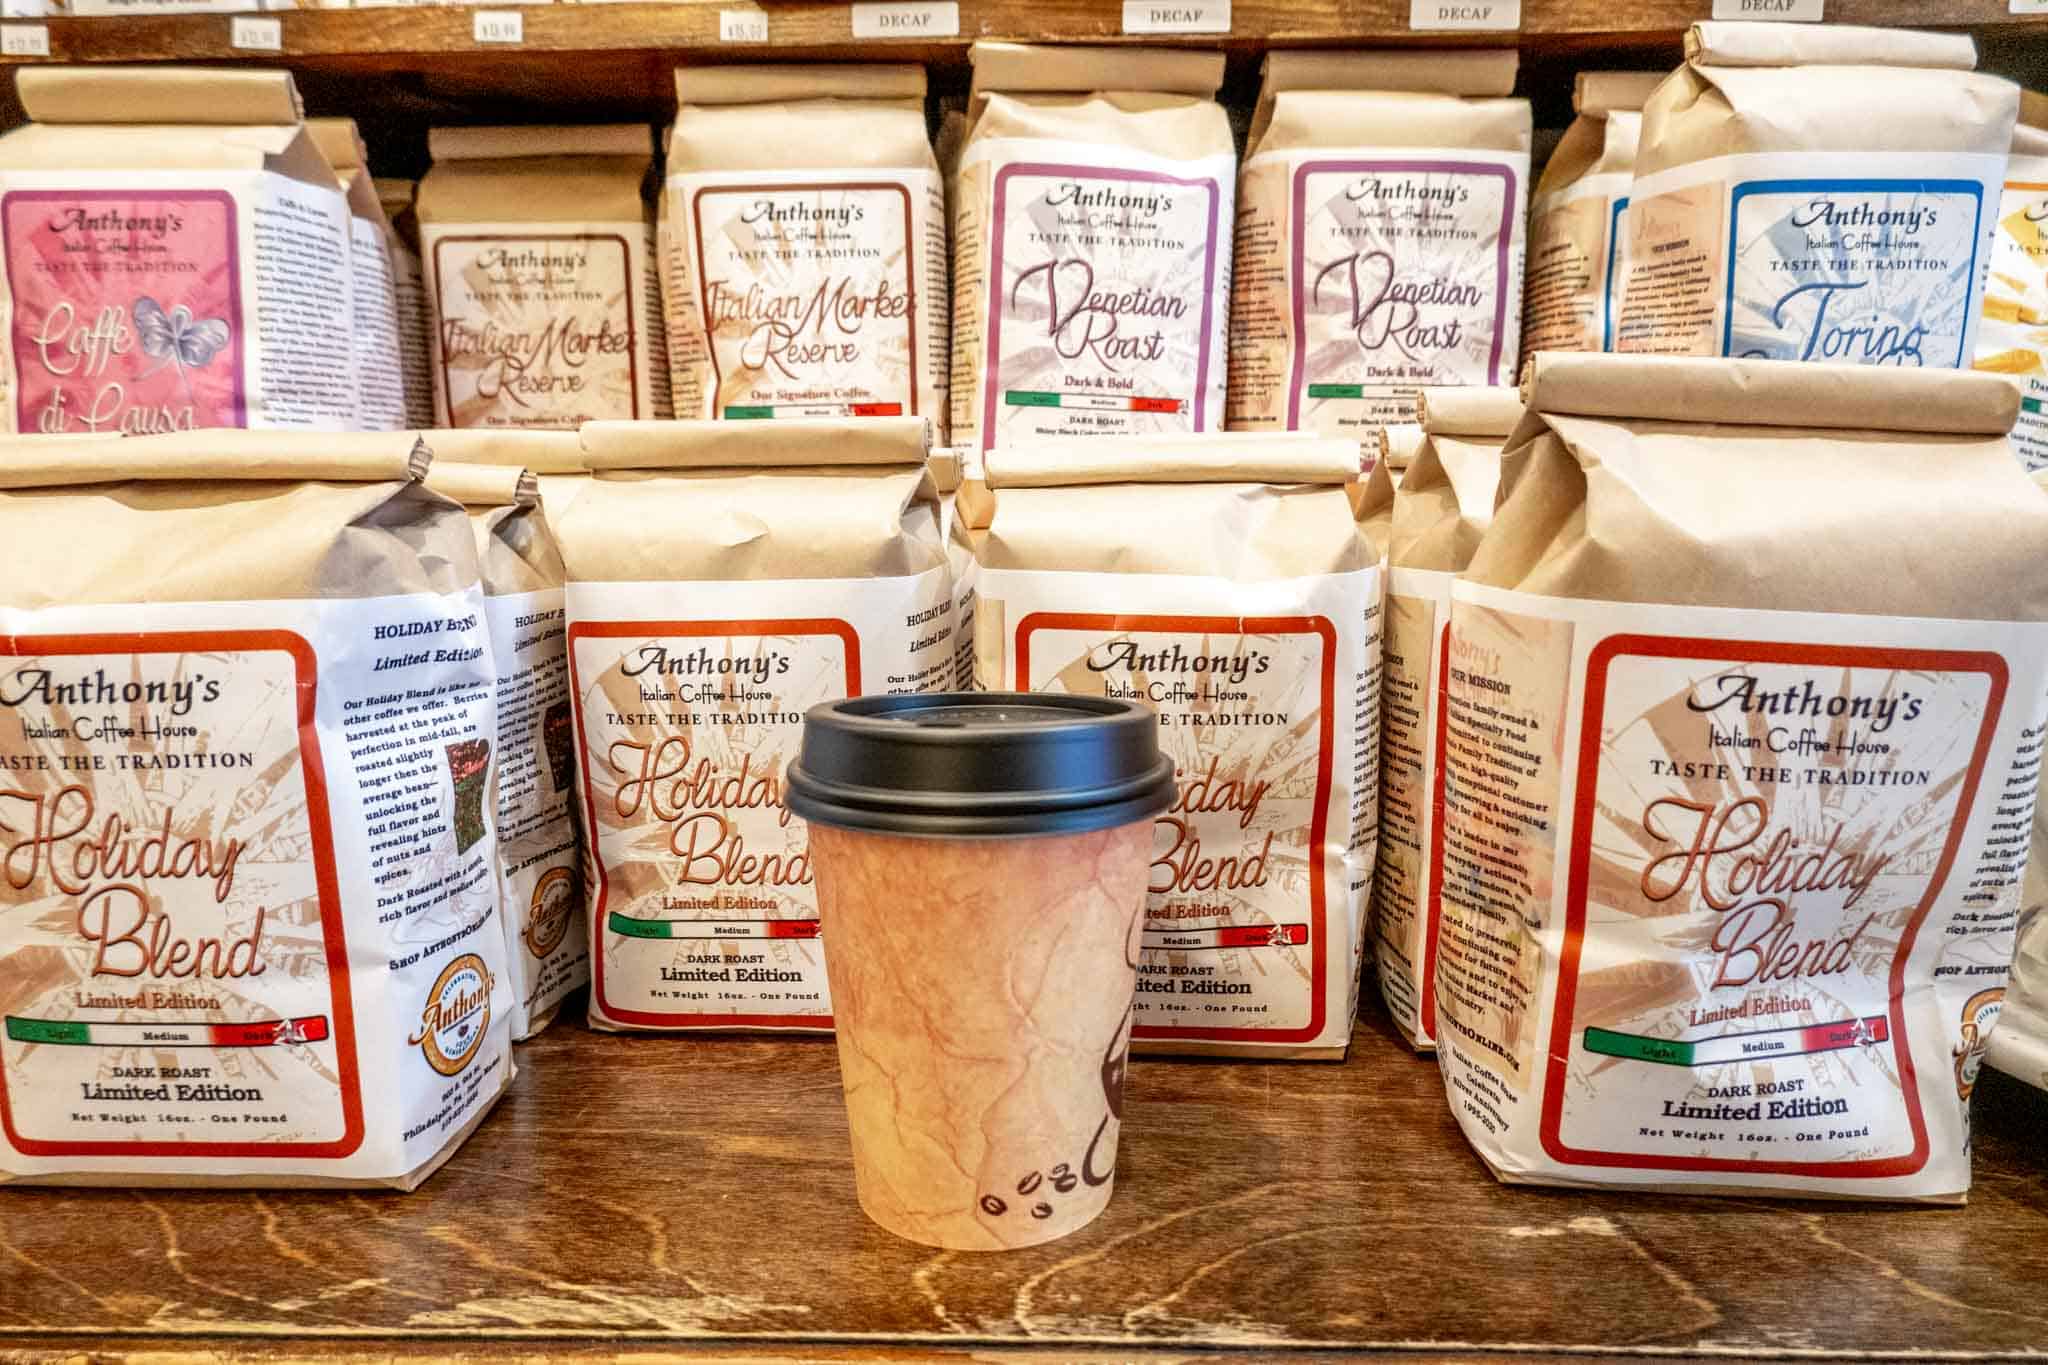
979	764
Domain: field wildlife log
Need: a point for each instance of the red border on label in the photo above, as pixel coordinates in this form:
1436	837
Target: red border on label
334	940
680	630
1319	824
1992	666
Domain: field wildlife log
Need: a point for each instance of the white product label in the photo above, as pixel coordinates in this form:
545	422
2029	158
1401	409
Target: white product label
808	293
1267	696
25	40
249	848
1108	292
1188	16
1728	897
380	383
742	26
499	26
256	35
2012	338
1799	11
703	910
1454	15
1871	259
907	19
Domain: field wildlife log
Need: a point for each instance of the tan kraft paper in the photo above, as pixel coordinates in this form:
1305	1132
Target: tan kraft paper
1441	508
1818	194
183	273
1253	627
539	874
264	696
806	245
1091	236
724	577
538	250
1575	217
1379	237
554	458
1737	795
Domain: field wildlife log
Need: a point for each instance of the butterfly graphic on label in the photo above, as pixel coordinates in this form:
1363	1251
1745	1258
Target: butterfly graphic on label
177	338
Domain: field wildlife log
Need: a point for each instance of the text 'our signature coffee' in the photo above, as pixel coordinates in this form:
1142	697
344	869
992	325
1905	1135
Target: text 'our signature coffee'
1738	794
1379	237
1091	232
248	894
1224	582
725	577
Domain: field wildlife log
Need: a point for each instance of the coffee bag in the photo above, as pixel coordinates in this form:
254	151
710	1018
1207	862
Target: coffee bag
723	578
1091	232
2012	336
373	290
554	458
1225	582
547	952
1816	193
1575	220
539	254
415	323
807	266
1737	797
176	255
1379	237
250	931
1441	509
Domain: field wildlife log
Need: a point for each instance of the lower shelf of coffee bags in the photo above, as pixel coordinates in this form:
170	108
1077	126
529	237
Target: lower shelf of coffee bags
693	1198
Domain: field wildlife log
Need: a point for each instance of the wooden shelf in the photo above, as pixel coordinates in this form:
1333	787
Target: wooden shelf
694	1196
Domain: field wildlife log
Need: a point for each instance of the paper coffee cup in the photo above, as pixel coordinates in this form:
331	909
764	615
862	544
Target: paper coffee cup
981	864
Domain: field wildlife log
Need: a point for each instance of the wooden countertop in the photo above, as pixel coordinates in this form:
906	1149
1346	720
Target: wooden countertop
693	1197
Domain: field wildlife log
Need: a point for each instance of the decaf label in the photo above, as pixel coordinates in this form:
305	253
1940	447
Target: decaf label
538	330
127	310
177	982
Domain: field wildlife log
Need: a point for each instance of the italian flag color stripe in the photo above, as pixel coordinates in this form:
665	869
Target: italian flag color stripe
1740	1047
1089	402
762	411
1228	936
710	928
89	1033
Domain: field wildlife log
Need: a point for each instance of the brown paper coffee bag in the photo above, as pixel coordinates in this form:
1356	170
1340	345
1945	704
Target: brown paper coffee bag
1819	193
409	289
1737	792
373	291
262	700
807	245
1379	243
538	245
1091	236
1254	630
724	577
554	458
1575	220
176	256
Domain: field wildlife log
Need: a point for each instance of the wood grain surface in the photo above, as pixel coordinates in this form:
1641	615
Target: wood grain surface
692	1198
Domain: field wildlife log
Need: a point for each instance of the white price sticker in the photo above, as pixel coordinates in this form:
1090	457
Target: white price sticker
1787	11
499	26
907	19
256	35
1186	16
1453	16
24	40
743	26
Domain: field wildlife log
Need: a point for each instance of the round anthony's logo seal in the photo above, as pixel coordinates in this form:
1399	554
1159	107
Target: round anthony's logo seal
547	918
457	1015
1980	1012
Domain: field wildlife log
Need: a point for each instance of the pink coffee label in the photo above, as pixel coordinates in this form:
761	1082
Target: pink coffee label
126	310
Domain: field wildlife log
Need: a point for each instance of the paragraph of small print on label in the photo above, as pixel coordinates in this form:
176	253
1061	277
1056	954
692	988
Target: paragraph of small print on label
907	19
256	35
499	26
24	40
1162	16
742	26
1450	15
1788	11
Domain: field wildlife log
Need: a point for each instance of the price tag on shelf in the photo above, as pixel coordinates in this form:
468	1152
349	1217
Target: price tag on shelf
1788	11
907	19
743	26
499	26
1176	16
255	35
2026	7
1469	16
24	40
